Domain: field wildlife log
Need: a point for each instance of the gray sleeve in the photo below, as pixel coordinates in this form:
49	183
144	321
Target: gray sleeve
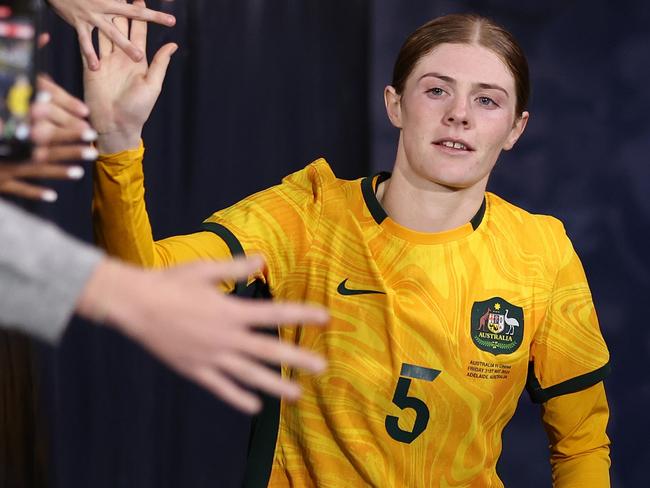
42	273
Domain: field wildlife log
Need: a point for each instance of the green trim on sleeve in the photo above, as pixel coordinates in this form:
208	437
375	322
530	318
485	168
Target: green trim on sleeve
265	425
228	237
236	249
573	385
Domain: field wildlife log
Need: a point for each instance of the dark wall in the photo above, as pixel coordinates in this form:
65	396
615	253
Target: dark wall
259	89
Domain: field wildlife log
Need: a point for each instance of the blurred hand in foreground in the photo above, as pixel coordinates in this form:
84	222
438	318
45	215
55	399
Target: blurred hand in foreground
202	333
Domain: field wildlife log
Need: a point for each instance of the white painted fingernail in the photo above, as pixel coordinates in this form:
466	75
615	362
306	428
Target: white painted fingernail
49	196
76	172
22	131
43	97
89	154
89	135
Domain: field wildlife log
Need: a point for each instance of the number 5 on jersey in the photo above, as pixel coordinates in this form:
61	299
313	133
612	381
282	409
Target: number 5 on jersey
403	401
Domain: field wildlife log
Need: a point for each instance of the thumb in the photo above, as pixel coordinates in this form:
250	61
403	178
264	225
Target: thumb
159	64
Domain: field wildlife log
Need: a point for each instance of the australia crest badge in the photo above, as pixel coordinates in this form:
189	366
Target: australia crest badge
497	326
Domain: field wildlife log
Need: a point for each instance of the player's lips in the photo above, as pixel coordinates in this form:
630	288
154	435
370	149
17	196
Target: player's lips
453	145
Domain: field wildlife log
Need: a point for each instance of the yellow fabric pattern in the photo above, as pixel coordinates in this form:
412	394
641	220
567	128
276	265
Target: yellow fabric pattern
431	334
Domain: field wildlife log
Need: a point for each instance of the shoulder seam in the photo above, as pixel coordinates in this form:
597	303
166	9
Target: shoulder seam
235	247
320	210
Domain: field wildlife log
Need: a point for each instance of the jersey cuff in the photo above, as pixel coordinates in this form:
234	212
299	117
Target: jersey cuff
573	385
125	157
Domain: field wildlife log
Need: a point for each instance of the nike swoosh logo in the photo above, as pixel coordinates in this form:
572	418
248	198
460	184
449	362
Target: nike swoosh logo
343	290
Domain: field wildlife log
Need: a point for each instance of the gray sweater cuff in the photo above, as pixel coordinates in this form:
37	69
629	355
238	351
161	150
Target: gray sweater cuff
42	273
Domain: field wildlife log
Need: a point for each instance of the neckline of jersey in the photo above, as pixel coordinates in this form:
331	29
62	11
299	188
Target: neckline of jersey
369	186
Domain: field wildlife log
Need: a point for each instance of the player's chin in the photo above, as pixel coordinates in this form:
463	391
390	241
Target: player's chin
455	178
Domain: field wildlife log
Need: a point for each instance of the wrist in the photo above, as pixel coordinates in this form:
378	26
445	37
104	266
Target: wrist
117	141
110	296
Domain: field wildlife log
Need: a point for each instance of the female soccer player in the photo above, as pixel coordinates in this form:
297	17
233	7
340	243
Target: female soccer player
446	300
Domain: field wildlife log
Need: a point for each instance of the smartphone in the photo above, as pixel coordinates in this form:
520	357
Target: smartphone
19	21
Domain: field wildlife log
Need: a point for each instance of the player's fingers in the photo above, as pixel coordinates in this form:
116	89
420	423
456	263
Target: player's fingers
84	34
121	22
158	67
61	97
139	29
268	313
74	152
271	350
138	11
117	31
227	390
256	376
27	190
105	44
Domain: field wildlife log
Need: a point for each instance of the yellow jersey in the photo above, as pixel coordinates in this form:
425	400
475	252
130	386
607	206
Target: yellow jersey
433	336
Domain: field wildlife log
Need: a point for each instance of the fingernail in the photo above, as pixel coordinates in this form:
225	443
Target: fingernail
171	20
89	154
22	131
89	135
43	97
76	172
49	196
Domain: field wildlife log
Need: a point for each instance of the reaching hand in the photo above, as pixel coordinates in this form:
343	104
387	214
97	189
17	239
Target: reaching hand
60	133
86	15
122	93
179	316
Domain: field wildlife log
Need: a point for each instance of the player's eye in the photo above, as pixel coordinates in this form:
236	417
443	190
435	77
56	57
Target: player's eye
436	91
486	102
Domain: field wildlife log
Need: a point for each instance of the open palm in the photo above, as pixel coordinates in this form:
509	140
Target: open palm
122	93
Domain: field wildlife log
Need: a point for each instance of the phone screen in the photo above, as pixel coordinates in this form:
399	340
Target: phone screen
17	78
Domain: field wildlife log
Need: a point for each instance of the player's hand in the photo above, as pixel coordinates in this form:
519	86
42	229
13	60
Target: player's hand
207	336
86	15
60	135
122	93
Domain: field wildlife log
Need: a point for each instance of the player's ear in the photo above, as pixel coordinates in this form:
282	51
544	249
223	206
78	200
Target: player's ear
517	130
393	103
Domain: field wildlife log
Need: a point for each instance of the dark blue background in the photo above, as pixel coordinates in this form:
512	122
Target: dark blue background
584	159
258	89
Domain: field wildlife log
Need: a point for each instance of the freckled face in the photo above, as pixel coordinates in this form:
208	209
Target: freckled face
456	115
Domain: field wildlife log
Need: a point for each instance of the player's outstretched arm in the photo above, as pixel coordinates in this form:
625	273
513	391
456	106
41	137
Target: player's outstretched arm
61	135
122	93
86	15
207	336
